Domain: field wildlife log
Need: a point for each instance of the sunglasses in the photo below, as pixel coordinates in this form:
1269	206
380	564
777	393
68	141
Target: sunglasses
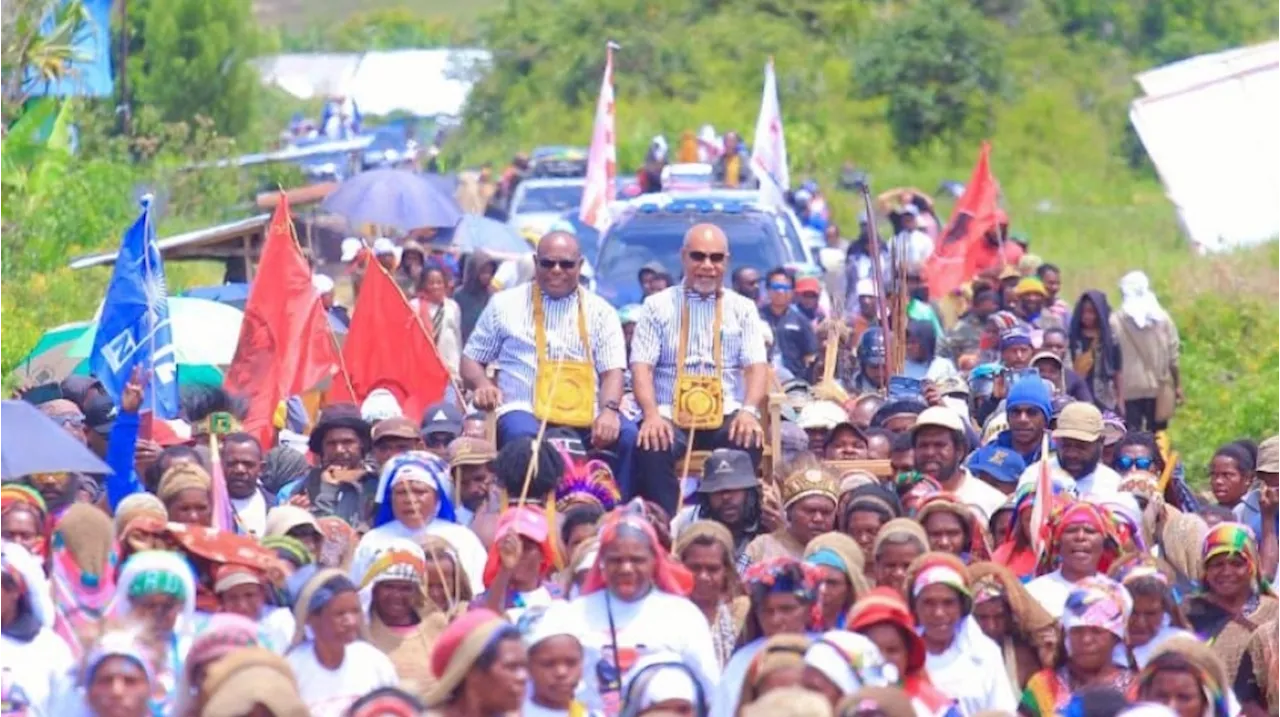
1125	463
779	287
564	264
716	257
70	420
437	440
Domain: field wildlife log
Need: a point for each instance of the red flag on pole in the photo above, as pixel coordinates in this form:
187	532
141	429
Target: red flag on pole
950	265
602	158
285	346
387	347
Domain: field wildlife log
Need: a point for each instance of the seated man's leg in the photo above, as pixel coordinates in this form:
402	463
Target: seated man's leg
620	455
719	438
653	475
516	424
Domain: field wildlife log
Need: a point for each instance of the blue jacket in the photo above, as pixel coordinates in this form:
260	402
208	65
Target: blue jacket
121	442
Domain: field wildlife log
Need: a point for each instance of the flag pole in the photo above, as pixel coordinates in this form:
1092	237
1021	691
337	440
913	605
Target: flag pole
337	349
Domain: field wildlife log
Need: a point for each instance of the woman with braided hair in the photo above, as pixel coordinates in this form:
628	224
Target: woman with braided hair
1025	633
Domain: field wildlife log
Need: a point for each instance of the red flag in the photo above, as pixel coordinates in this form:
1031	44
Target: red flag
285	346
951	263
387	347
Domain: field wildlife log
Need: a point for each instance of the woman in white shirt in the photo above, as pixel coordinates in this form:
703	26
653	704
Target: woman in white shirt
1083	544
33	658
330	657
962	663
633	604
440	316
413	503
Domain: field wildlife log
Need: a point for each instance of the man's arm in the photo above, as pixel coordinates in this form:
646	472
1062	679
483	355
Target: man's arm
481	349
473	375
645	348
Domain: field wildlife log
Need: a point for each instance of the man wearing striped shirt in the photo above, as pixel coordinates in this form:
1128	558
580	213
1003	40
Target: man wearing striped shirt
722	381
560	357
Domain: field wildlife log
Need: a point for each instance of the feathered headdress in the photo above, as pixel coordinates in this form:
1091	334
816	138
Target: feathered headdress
586	481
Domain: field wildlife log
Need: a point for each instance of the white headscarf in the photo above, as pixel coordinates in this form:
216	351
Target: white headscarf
157	561
663	677
1138	302
850	661
28	566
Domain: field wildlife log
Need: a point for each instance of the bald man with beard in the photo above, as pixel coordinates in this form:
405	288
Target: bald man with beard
560	355
698	366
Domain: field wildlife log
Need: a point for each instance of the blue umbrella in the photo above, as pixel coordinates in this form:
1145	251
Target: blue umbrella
395	198
235	294
477	232
33	443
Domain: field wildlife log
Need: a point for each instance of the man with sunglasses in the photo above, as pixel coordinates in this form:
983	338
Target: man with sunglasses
699	364
794	340
559	353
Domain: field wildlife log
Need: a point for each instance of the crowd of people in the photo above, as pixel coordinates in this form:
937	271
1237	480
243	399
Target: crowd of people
676	508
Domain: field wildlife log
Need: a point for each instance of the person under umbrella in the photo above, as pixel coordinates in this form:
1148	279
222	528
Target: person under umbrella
23	519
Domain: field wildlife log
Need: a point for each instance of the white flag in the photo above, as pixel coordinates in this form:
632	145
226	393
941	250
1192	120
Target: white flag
769	149
602	159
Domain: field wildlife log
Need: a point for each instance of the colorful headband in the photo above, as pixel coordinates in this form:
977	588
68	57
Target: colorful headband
157	582
940	575
1098	602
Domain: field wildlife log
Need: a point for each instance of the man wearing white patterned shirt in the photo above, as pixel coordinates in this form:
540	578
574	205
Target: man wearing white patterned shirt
560	355
709	377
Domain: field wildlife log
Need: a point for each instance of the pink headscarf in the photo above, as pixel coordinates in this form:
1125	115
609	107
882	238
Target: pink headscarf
668	575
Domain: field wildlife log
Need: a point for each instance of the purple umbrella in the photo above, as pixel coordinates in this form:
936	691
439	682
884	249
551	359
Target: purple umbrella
395	198
33	443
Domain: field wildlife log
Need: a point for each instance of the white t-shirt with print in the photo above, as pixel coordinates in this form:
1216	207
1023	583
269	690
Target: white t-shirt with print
328	692
657	622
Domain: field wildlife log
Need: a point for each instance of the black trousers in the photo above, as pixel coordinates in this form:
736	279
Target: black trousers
1140	415
654	473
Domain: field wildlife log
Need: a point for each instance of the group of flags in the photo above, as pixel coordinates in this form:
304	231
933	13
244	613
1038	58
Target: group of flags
768	153
286	345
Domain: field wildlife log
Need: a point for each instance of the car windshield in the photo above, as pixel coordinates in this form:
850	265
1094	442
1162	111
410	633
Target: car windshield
753	241
555	198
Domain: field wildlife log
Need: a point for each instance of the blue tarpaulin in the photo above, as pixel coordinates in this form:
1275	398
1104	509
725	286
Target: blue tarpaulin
90	72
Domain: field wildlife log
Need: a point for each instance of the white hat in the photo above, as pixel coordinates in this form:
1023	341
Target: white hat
380	404
323	284
350	247
383	246
822	414
865	287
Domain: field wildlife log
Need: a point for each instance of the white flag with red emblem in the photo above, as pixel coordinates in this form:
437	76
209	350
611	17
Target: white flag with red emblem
602	160
769	149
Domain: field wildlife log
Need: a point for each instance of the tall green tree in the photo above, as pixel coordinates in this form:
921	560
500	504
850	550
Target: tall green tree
940	65
190	58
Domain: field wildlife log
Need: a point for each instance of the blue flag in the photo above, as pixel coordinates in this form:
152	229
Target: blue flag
134	327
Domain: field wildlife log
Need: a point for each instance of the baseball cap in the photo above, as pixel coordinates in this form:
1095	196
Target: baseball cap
822	414
351	246
469	451
1001	463
727	469
100	413
383	246
321	283
940	417
1269	455
442	418
865	287
1079	421
808	284
1030	285
1046	356
394	427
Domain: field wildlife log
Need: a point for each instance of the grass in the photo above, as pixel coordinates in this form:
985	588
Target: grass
300	13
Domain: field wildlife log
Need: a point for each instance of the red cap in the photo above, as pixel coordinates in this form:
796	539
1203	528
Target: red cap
808	284
457	631
885	605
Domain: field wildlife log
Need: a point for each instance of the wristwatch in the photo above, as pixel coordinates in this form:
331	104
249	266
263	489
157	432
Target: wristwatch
755	412
612	406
